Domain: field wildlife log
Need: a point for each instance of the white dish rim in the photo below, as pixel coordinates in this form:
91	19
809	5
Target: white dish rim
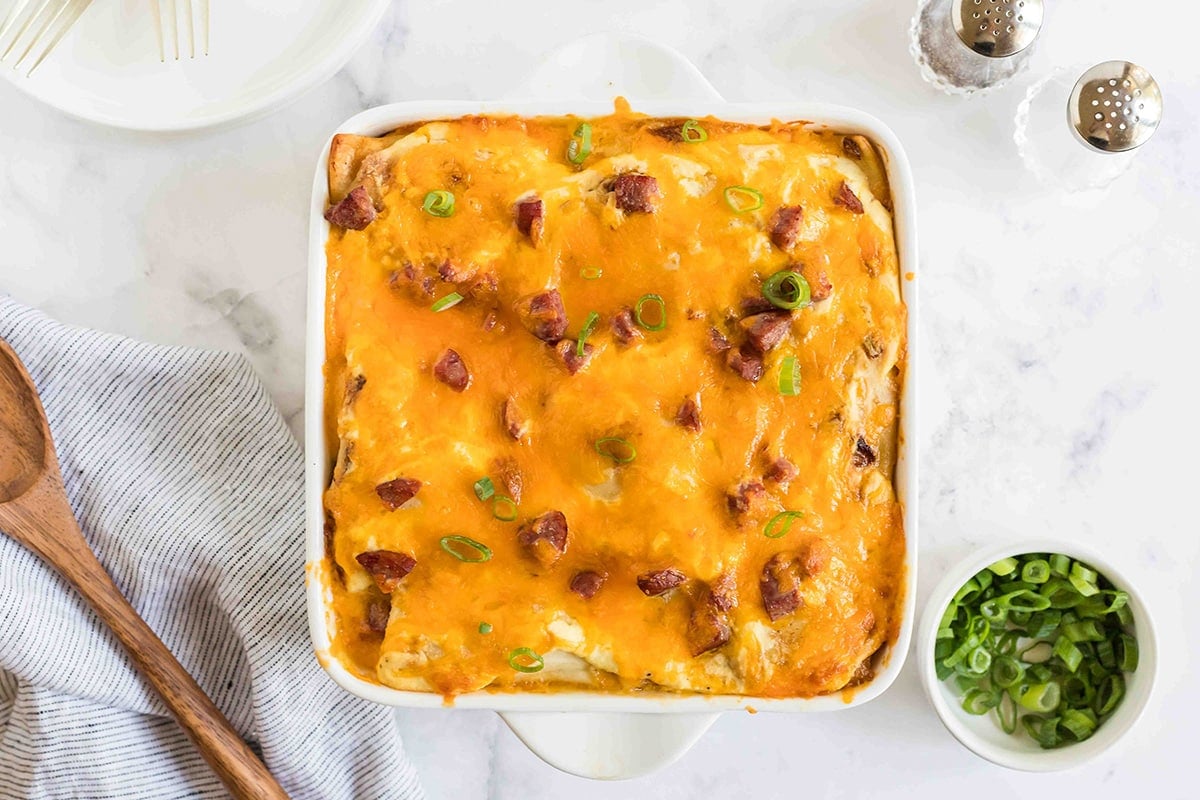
1025	756
381	119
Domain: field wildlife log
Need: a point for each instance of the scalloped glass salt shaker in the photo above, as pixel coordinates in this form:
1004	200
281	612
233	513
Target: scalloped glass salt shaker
968	46
1082	134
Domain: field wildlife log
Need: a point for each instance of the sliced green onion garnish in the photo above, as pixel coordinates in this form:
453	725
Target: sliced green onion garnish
1080	723
485	627
590	273
1109	694
979	701
1127	653
475	552
438	203
1066	650
1087	630
787	289
484	488
743	199
449	301
1006	713
580	146
781	523
1043	730
523	659
1036	571
1006	671
789	377
651	324
618	449
1040	697
1005	566
979	660
692	132
589	325
504	508
1060	565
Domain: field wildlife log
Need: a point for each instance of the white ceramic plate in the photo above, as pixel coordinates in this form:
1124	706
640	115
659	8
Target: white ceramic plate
262	54
588	733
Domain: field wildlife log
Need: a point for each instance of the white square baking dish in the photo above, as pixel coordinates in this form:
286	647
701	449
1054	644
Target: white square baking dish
625	735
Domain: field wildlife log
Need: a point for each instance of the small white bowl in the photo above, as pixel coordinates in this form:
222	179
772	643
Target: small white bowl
981	734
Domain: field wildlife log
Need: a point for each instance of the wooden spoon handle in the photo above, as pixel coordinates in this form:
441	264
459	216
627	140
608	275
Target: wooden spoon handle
234	762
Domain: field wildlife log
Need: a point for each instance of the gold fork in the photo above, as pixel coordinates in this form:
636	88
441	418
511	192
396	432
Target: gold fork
195	15
38	23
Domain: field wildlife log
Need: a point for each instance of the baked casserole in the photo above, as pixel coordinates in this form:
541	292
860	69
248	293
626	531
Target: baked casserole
617	406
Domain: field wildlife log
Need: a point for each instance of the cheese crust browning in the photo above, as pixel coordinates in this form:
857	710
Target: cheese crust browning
645	470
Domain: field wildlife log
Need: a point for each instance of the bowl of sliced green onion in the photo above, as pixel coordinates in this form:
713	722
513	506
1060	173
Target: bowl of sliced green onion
1037	656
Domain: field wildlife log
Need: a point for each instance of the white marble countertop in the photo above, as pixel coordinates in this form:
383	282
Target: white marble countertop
1052	338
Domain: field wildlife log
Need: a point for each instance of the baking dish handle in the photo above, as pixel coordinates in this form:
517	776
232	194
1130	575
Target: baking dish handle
605	65
607	746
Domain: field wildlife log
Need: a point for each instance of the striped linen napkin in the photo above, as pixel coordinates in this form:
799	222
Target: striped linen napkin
188	486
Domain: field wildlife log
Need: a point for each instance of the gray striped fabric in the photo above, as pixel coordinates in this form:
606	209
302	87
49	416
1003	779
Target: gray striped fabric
188	486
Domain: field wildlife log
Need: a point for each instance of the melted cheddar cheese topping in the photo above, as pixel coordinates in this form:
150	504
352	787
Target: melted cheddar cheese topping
718	454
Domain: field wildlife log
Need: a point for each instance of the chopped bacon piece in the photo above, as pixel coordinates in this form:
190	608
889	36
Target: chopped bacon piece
864	455
851	148
780	585
587	583
746	362
785	225
410	277
636	193
781	471
846	197
756	304
396	493
354	212
544	315
515	421
624	328
489	320
378	611
766	331
509	473
820	286
387	567
451	272
717	343
569	353
451	371
744	497
709	626
545	538
530	218
688	415
671	131
660	581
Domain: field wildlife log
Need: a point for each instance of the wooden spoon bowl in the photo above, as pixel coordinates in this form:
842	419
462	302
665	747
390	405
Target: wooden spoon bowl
34	511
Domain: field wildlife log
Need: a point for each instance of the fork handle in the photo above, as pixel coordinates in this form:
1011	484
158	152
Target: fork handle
246	777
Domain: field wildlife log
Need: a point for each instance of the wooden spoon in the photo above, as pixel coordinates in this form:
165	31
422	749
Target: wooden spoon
34	511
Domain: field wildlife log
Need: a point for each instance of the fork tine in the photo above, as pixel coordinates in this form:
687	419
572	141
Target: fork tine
191	28
33	14
204	23
14	13
51	14
174	26
158	15
70	13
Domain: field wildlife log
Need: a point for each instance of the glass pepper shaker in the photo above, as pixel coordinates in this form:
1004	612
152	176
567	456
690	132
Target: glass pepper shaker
1082	134
967	46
